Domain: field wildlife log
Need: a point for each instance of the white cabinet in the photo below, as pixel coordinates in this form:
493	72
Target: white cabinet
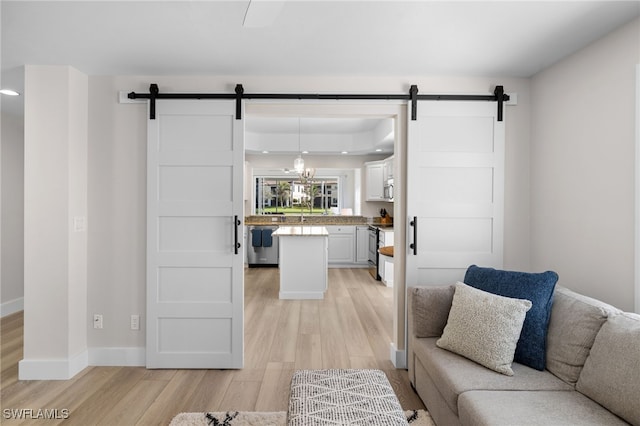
388	168
378	174
386	237
342	241
386	263
303	262
362	244
374	181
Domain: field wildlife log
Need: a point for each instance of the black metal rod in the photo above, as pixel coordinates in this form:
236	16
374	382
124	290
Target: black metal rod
413	96
317	96
489	98
305	96
134	95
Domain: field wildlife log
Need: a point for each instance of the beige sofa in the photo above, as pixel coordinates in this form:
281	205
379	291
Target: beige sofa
592	374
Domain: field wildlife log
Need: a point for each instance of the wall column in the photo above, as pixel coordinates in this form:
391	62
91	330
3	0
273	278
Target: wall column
55	218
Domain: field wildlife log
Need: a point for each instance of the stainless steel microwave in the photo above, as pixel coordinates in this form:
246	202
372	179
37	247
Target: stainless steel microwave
388	190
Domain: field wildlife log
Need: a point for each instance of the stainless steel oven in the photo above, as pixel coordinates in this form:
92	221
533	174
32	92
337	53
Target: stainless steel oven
374	241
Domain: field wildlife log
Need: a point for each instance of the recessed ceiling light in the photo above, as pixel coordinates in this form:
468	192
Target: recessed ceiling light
305	152
265	152
9	92
344	152
379	150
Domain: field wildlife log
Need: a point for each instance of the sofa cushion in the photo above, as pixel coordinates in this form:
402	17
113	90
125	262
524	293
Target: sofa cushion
484	327
536	287
575	321
454	374
499	408
431	307
611	373
438	408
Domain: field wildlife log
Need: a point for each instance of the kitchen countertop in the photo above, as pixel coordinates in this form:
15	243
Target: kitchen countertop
301	231
312	220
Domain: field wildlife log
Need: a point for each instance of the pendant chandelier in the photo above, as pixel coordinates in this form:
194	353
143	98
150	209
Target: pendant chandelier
298	163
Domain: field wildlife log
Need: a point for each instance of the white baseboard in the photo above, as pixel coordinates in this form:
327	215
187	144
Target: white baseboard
118	357
301	295
52	369
347	265
11	307
65	369
398	358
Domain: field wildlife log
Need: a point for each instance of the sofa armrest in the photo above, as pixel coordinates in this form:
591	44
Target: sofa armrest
429	310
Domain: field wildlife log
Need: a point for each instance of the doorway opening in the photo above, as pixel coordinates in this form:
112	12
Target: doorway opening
271	162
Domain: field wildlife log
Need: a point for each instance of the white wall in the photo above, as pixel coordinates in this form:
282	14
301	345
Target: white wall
117	213
582	168
117	195
12	277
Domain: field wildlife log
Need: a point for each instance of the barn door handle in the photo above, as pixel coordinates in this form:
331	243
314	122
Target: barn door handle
236	223
414	244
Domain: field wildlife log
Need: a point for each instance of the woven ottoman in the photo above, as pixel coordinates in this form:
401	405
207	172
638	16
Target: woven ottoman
343	397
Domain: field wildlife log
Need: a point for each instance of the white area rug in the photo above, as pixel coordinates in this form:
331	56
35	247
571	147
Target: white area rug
253	418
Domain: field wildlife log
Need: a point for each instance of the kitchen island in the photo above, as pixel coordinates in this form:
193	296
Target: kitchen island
303	261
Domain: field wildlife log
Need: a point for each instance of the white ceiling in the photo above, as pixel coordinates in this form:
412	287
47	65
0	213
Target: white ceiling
300	37
393	37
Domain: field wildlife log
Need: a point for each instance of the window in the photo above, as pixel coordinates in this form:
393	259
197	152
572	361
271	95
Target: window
292	195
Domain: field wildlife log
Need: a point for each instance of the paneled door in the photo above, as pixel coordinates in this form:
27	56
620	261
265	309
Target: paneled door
455	190
195	283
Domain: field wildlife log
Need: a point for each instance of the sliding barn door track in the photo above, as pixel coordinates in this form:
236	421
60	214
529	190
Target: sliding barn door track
413	96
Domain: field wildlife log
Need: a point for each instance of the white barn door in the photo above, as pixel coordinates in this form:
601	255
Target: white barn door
455	190
195	283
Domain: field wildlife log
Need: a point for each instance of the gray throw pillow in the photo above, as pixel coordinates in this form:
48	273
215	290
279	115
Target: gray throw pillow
575	322
611	373
484	327
430	307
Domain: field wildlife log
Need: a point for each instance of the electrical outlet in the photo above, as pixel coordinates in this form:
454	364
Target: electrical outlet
97	321
79	224
135	322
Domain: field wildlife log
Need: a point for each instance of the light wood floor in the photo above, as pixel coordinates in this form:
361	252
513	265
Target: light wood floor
350	328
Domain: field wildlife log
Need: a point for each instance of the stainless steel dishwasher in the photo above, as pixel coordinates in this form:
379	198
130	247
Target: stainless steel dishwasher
262	247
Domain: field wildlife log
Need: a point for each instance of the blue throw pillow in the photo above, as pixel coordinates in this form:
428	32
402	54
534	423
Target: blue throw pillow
536	287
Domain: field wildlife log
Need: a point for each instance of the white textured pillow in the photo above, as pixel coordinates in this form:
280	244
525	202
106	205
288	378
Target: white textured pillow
484	327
